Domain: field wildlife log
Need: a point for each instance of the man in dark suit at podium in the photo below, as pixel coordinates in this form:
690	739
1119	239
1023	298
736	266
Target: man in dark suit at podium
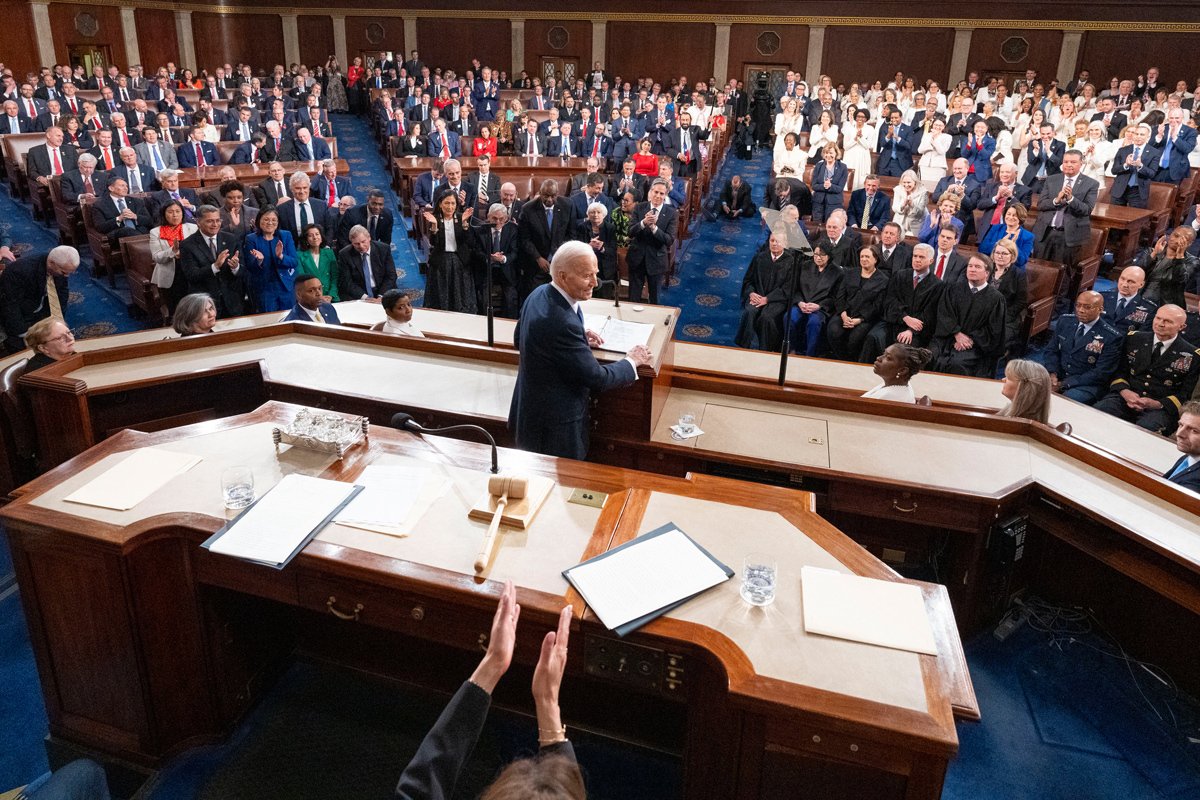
1186	471
558	372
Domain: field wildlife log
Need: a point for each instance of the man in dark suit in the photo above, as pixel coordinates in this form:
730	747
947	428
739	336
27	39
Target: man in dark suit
529	142
302	210
374	216
1064	222
117	215
1113	121
241	128
558	371
309	149
1133	168
593	192
789	192
210	263
897	253
683	146
279	147
627	180
1174	141
138	177
273	189
253	151
894	147
51	158
625	131
1045	157
310	305
869	207
329	187
1124	306
86	180
598	145
948	264
24	291
499	242
546	222
736	202
652	231
995	196
365	268
562	143
482	187
443	143
1186	471
1157	373
910	306
1083	353
197	150
12	121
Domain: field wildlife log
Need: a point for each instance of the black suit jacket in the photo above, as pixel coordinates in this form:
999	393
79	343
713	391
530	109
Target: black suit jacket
72	185
845	253
23	297
351	282
491	186
1189	478
509	246
901	258
104	214
539	241
359	216
320	217
39	160
229	290
266	194
1077	214
648	247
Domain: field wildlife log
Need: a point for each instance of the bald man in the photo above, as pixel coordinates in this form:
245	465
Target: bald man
1157	374
1082	356
1125	308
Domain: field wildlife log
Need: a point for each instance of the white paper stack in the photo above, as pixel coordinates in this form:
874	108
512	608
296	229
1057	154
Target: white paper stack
393	499
619	336
884	613
138	476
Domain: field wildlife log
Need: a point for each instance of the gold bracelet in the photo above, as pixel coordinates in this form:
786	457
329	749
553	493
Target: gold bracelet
551	736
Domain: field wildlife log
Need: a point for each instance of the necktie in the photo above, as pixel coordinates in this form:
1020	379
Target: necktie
1158	351
158	162
1165	161
368	282
596	148
1079	333
371	225
52	298
212	246
108	159
1121	306
532	144
1057	222
941	265
199	155
276	145
866	215
135	179
331	197
14	126
550	219
916	279
998	214
58	169
87	185
124	96
303	216
1137	155
245	132
317	318
279	192
30	109
121	210
495	240
308	153
566	146
1184	464
445	147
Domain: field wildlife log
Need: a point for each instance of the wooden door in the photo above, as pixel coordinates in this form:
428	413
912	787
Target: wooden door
89	55
563	70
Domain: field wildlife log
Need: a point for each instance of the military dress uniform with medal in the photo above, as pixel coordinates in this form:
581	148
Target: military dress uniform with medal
1168	378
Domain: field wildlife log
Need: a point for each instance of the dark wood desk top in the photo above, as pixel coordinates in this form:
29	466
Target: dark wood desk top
196	177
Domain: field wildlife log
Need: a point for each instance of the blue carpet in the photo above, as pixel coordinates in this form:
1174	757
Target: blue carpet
22	714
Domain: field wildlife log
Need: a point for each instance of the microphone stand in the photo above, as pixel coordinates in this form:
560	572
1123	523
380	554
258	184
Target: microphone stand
787	317
405	422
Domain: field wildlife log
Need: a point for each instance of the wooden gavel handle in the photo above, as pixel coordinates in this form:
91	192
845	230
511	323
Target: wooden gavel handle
489	541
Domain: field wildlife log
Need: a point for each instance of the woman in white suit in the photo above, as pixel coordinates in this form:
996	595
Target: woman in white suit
908	203
823	134
858	139
933	148
1097	151
787	121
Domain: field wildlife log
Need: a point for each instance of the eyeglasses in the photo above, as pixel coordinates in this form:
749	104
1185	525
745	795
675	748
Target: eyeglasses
66	337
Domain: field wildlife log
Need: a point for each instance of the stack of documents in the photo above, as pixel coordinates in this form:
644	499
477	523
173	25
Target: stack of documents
619	336
884	613
643	579
393	499
281	522
138	476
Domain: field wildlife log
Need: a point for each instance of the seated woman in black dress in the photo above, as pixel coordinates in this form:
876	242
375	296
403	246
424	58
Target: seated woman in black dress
50	340
553	773
858	307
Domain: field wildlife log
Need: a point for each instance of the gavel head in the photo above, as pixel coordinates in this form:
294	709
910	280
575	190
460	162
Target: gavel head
514	487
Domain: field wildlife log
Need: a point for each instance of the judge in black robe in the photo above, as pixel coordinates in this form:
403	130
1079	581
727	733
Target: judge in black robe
858	307
817	286
975	309
765	296
918	303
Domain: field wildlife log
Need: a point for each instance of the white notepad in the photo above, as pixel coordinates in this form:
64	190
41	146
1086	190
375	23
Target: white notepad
141	474
645	576
271	530
393	499
619	336
883	613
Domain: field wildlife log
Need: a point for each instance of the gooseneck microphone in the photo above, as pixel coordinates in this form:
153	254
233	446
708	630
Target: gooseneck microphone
405	422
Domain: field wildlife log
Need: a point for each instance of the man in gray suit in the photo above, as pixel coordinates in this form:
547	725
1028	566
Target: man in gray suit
1064	223
153	153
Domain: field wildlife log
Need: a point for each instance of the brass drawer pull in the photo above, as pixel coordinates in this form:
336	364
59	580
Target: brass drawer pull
418	613
348	616
897	507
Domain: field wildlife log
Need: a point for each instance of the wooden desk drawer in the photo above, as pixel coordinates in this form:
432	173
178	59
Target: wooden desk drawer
922	508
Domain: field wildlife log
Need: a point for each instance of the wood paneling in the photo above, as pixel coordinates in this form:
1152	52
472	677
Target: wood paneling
869	54
743	47
16	41
316	39
1044	47
254	38
357	43
579	43
62	22
453	42
660	50
1127	55
158	42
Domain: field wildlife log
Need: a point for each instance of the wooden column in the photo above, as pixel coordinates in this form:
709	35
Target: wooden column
42	32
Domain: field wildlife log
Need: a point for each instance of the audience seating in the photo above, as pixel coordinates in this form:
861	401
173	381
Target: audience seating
18	436
139	268
68	217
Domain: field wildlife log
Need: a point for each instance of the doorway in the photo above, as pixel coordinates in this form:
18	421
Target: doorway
776	78
89	55
562	70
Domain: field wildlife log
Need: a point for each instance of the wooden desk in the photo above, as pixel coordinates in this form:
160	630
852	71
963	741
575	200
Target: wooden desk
147	644
195	177
406	169
1130	221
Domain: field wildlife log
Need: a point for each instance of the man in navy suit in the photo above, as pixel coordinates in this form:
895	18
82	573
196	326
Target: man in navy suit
12	122
894	148
310	303
189	152
558	372
485	96
372	215
443	142
547	222
869	207
1174	141
253	151
241	128
309	149
593	192
301	210
426	185
1133	168
598	145
1124	307
1082	357
653	229
626	130
1186	471
321	188
1045	158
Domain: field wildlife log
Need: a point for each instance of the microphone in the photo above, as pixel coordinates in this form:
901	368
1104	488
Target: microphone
405	422
616	284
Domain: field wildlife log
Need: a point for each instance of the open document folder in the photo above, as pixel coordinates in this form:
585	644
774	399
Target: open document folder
281	522
645	578
619	336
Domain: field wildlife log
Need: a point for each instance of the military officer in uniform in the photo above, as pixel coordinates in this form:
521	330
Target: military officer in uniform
1157	373
1125	307
1082	356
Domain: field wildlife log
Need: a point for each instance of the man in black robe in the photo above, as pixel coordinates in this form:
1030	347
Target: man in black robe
765	292
970	323
910	307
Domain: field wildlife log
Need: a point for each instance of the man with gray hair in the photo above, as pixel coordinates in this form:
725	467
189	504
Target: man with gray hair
910	306
169	178
140	179
651	233
498	242
85	180
558	372
32	288
301	210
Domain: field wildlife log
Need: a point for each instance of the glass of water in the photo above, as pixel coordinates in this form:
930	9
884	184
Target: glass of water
687	424
237	487
758	579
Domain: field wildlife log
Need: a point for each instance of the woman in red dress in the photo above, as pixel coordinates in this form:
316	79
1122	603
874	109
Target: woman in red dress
484	142
645	162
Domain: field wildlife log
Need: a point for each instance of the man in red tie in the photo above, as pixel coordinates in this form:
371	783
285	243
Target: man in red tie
52	158
948	265
103	151
70	101
196	152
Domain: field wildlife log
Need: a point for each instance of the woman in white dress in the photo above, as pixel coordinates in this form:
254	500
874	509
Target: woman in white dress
1063	117
852	99
1086	101
858	140
787	121
908	203
1027	134
896	366
824	133
790	160
933	148
1004	104
879	109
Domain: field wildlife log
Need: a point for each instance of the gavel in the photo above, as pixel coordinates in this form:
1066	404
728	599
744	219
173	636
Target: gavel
508	488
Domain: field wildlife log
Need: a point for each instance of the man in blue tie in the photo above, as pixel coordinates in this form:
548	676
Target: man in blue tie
1133	168
1186	471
